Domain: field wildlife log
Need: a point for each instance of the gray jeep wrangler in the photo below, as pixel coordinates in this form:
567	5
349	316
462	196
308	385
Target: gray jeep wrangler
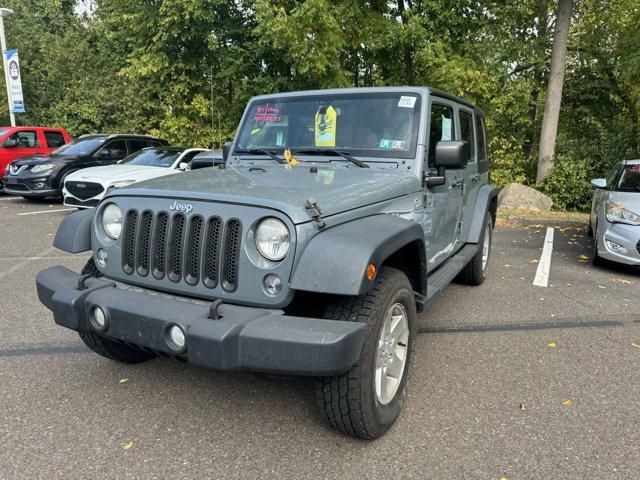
338	216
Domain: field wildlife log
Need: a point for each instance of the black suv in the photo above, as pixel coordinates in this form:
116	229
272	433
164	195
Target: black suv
41	176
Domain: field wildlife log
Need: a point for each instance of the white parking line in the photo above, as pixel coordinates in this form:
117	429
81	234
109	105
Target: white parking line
544	265
6	199
47	211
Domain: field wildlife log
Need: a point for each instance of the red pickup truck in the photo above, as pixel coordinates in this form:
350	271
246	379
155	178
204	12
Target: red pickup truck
16	142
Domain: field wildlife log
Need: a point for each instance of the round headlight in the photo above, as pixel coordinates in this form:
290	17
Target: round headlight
272	239
112	220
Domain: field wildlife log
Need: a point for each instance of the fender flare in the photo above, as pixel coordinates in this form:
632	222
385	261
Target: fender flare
486	201
74	232
335	260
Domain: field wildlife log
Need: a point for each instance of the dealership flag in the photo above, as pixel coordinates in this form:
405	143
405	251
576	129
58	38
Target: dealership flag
16	102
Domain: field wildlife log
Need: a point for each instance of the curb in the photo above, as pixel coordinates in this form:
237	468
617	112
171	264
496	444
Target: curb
544	222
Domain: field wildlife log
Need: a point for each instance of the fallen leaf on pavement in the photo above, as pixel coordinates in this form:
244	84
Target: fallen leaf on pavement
535	260
582	258
626	282
123	380
523	407
637	345
127	446
551	345
603	288
567	403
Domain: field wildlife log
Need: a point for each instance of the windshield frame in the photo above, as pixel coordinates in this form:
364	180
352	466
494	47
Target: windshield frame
368	154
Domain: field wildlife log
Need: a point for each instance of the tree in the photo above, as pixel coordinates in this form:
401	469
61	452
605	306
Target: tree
553	101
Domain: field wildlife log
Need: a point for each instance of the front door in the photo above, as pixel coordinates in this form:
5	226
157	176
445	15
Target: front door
443	203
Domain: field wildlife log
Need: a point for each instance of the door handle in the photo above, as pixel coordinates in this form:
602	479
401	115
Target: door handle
475	177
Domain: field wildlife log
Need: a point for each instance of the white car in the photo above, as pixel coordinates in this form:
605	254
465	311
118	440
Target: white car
85	188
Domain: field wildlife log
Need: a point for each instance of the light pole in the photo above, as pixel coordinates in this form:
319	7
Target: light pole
4	12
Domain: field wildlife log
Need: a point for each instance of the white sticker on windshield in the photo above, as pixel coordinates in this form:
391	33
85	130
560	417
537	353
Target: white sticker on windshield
407	102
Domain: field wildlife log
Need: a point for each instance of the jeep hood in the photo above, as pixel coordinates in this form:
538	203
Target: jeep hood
284	188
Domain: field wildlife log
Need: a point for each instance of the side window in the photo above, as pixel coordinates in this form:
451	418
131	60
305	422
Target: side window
25	139
116	148
482	138
441	128
138	144
54	139
466	131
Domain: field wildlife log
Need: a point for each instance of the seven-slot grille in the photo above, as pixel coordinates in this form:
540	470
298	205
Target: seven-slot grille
83	190
178	247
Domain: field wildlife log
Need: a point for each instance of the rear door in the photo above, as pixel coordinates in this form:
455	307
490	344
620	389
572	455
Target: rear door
443	202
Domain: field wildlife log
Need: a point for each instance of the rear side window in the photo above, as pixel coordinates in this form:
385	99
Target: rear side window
140	143
466	132
54	139
441	128
25	139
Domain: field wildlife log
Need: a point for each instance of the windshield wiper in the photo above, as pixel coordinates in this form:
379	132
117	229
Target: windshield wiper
330	151
259	151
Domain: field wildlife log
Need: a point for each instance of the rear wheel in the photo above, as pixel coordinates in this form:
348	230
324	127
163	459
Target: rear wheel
110	349
475	272
367	399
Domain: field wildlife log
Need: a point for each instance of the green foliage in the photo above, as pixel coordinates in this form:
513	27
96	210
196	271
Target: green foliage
184	69
568	184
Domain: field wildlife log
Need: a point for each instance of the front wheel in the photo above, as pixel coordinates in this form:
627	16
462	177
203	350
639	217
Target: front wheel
367	399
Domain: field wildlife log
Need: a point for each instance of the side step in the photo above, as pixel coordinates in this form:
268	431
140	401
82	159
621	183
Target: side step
447	272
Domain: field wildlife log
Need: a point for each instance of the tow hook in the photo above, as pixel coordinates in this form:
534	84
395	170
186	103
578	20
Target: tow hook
316	214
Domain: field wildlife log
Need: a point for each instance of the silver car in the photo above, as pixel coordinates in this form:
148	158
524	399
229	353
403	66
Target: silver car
615	215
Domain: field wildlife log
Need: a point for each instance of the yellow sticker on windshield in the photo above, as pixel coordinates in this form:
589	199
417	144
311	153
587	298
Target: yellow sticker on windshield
325	131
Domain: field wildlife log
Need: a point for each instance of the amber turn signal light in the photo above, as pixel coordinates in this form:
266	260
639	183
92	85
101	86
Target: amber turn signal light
372	271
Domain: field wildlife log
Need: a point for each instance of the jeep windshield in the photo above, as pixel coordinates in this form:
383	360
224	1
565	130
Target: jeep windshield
381	125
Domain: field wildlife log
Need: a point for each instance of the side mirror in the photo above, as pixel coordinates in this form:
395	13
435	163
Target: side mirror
226	149
183	166
104	153
600	183
10	143
451	155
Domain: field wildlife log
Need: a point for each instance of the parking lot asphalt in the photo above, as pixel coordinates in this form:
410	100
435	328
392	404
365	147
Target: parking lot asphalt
509	380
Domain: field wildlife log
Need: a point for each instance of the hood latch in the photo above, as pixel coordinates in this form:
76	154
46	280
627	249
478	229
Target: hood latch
315	213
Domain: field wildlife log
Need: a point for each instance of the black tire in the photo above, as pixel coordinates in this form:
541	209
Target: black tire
348	401
596	259
474	273
110	349
90	268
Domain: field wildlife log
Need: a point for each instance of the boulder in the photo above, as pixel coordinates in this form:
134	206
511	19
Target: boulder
515	195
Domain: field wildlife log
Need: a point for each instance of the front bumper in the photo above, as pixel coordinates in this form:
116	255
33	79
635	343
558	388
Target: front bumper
36	187
627	236
243	338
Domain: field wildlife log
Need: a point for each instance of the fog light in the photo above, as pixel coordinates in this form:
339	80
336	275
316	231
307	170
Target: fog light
38	184
101	257
99	317
272	284
614	247
176	335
